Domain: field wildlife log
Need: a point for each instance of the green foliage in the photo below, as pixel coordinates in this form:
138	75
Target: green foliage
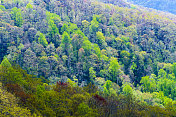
21	46
65	42
52	16
174	69
52	29
72	83
14	12
106	44
100	38
2	8
127	89
108	84
10	76
164	82
97	51
29	6
87	46
64	100
148	83
42	40
114	69
5	63
72	28
9	105
40	90
18	20
125	58
17	17
85	111
92	74
64	28
85	26
162	74
126	39
94	26
107	87
134	66
68	28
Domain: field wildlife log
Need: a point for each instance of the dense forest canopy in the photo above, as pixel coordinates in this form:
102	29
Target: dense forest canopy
86	58
163	5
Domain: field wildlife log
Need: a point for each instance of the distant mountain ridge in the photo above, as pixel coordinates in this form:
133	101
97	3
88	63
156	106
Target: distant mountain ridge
163	5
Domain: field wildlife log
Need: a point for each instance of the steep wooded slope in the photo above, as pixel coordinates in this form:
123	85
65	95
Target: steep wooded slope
33	37
122	50
163	5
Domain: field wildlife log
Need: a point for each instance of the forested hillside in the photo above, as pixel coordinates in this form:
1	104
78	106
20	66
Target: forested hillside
86	58
163	5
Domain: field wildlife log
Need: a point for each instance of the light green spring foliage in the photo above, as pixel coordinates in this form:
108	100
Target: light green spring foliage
64	28
118	26
133	66
66	40
94	26
97	51
108	84
52	16
29	6
174	69
17	17
164	82
124	38
92	74
165	101
52	28
21	46
127	89
162	74
29	9
149	84
5	63
72	27
2	8
14	12
114	69
100	38
109	88
125	57
69	28
87	46
72	83
42	40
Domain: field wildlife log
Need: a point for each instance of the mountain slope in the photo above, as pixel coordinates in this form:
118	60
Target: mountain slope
163	5
37	41
123	50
